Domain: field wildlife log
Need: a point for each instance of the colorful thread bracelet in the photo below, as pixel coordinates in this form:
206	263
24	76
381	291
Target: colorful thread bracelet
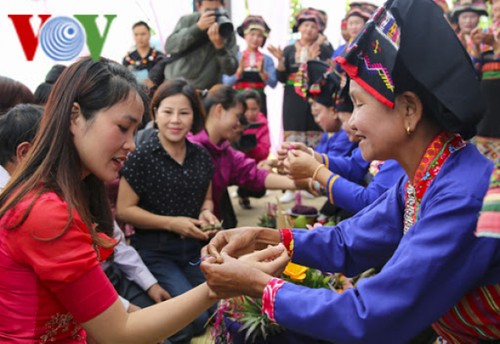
287	240
315	174
269	297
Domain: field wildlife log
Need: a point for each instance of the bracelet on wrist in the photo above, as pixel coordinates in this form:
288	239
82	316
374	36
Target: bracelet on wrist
315	174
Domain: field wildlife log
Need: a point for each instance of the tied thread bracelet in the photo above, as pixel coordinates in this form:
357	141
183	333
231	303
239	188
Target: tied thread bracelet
316	171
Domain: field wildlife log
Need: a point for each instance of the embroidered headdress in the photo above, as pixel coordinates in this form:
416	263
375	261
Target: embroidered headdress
254	23
318	81
410	41
309	14
362	9
478	7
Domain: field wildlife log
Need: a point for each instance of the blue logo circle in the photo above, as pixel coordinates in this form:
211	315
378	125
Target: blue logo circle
62	38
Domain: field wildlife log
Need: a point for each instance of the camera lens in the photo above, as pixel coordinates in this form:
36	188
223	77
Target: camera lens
226	28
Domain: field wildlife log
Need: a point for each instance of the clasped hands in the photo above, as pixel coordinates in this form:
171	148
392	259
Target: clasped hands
239	261
299	163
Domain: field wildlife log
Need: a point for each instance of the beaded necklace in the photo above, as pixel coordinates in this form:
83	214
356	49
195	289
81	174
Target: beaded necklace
440	149
150	57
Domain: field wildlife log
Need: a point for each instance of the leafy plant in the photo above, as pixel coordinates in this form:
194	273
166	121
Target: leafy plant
267	221
254	322
247	311
295	7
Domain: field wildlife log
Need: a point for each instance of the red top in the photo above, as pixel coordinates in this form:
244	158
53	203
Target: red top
51	279
261	152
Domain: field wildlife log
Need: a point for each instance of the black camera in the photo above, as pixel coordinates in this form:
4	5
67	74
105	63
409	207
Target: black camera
247	142
226	28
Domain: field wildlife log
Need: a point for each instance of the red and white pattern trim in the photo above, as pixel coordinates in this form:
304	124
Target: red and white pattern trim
269	297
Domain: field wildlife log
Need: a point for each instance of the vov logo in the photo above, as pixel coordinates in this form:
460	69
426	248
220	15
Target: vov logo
61	38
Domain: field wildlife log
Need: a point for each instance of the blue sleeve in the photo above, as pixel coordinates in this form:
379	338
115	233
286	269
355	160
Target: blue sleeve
339	145
270	69
354	197
352	168
338	51
229	80
426	271
353	246
322	147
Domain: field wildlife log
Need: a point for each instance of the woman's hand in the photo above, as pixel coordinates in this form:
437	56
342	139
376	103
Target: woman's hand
300	165
280	56
308	185
267	164
276	51
476	37
240	241
285	148
187	227
158	294
208	218
241	67
271	260
246	275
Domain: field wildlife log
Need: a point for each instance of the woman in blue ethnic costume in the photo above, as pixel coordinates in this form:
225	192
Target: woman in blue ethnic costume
409	107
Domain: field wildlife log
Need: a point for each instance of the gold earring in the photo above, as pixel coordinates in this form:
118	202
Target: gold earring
408	130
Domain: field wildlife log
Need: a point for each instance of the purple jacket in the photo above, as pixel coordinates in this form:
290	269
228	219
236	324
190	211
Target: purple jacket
231	167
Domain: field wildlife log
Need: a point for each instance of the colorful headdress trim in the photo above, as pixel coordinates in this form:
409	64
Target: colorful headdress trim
253	22
309	15
477	7
359	13
370	58
256	27
399	32
318	81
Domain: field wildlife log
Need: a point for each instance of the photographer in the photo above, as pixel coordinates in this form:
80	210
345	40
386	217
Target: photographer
204	44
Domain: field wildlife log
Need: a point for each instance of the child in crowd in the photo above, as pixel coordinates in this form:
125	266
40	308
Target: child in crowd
256	70
256	135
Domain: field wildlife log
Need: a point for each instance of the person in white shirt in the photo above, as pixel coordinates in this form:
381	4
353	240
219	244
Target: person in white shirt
133	281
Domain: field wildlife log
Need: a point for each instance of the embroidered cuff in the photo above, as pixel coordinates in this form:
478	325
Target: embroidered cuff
269	297
287	240
329	186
